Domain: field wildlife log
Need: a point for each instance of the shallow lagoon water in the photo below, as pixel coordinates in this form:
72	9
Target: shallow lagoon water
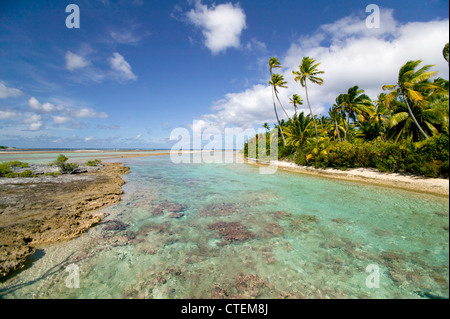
249	235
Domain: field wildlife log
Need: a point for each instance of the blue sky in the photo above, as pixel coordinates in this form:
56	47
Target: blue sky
135	70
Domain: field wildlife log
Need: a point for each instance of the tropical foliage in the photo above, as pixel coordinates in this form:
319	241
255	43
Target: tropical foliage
405	129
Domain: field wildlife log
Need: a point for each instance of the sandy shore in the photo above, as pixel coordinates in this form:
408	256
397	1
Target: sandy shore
435	186
44	209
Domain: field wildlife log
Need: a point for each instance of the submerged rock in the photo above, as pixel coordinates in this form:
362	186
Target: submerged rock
168	207
281	214
249	286
175	215
223	209
272	230
232	231
115	225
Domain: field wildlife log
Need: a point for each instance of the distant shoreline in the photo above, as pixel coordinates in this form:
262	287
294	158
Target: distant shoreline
434	186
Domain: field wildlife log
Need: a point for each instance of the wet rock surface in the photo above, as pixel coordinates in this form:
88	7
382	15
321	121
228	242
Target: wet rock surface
48	209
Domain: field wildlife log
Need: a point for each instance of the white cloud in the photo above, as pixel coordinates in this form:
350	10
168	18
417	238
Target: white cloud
5	115
35	122
75	61
350	54
46	107
221	25
121	67
60	119
88	113
6	92
89	138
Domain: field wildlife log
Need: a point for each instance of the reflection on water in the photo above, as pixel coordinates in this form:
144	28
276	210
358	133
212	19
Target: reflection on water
225	231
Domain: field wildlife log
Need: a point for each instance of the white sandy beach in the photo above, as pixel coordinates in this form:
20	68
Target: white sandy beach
436	186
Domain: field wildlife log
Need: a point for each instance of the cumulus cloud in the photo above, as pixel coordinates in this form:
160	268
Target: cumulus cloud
5	115
60	119
350	54
221	25
88	113
35	122
121	67
46	107
6	92
75	61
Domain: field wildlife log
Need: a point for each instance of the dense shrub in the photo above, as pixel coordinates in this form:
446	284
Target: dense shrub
428	158
18	164
5	170
26	173
63	166
54	174
93	162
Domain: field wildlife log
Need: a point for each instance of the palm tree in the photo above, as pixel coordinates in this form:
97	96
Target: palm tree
433	119
355	104
410	88
445	53
278	82
296	100
381	113
274	63
336	118
266	126
299	130
308	71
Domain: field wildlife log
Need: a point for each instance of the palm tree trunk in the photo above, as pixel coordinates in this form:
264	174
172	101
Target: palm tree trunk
348	125
278	120
412	115
281	104
310	111
337	130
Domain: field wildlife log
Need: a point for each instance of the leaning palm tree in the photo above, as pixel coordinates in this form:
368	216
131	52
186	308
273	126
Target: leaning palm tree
411	87
433	119
308	71
296	100
274	63
278	82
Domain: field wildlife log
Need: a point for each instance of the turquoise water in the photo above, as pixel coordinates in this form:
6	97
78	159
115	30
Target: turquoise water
249	235
77	156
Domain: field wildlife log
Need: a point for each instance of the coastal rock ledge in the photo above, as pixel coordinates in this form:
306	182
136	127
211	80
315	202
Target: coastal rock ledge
43	210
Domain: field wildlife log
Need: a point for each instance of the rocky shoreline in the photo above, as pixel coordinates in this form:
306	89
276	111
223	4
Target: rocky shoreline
47	209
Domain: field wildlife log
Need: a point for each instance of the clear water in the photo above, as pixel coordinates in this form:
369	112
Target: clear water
312	238
76	156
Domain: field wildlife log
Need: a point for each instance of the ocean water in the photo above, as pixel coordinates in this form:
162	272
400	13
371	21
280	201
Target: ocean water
248	235
47	156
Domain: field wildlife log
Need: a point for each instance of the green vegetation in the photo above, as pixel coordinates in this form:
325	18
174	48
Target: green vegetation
3	147
65	167
18	164
406	129
54	174
26	173
93	162
5	169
